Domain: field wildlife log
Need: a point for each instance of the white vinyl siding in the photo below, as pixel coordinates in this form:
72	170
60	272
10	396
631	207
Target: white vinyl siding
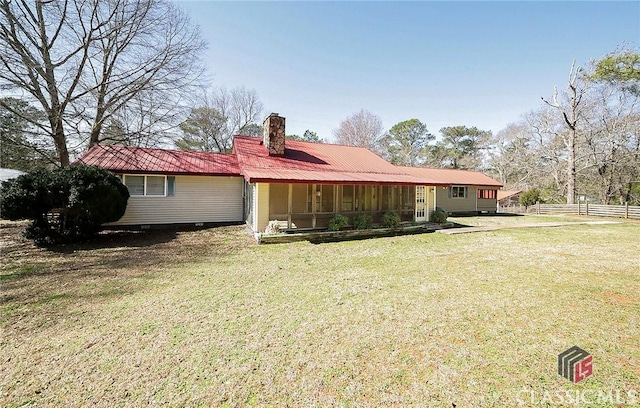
196	199
469	204
448	203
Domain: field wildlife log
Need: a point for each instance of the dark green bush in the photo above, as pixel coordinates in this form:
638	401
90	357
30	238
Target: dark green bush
338	222
390	220
65	205
530	197
438	215
362	221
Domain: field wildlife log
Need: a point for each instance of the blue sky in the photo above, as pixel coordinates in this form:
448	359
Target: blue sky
478	64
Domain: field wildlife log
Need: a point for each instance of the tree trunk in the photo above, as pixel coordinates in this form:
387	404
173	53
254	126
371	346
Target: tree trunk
94	138
571	167
60	142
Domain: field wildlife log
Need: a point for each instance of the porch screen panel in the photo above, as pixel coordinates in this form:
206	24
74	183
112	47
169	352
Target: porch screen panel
407	202
370	198
394	197
327	198
408	198
386	198
348	197
278	201
301	199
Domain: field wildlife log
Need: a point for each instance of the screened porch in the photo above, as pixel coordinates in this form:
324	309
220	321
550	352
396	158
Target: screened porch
313	205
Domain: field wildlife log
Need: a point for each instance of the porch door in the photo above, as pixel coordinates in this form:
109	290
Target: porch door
421	209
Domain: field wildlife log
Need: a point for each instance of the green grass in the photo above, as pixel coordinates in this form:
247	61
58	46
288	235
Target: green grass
429	320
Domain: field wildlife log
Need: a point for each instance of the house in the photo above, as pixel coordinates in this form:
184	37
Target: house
173	187
509	198
8	174
300	184
463	192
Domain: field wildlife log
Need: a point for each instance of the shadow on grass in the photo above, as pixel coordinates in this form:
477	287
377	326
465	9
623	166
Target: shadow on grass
117	239
115	263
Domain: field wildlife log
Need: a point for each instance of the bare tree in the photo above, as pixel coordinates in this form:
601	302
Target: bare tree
612	153
547	149
510	158
570	110
86	62
221	115
363	129
241	107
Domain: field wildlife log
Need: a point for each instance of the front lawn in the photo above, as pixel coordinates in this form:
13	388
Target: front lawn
209	318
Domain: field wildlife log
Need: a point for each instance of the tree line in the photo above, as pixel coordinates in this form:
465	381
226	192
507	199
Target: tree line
75	73
582	141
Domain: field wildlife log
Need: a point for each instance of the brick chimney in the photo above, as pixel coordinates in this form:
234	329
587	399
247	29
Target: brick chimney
273	134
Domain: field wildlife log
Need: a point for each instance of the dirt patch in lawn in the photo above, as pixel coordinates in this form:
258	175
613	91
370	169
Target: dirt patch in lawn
30	274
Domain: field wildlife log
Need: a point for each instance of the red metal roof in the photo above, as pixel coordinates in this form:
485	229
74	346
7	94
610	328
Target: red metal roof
130	159
502	194
452	176
305	162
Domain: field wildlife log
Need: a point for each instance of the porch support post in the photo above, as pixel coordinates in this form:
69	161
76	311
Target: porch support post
289	205
313	205
426	194
435	197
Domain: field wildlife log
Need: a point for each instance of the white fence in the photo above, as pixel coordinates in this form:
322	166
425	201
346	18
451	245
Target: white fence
619	211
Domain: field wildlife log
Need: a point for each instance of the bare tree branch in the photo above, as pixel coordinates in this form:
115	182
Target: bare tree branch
84	61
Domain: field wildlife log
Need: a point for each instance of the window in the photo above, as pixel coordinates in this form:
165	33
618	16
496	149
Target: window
158	186
155	185
487	194
135	184
458	192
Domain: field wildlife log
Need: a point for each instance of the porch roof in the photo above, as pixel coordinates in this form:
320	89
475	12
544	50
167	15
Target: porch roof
452	176
305	162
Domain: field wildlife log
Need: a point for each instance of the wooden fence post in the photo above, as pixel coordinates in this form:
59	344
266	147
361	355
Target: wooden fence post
587	209
626	209
538	206
579	211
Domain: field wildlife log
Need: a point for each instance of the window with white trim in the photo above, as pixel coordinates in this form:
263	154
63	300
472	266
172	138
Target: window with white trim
147	185
458	192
